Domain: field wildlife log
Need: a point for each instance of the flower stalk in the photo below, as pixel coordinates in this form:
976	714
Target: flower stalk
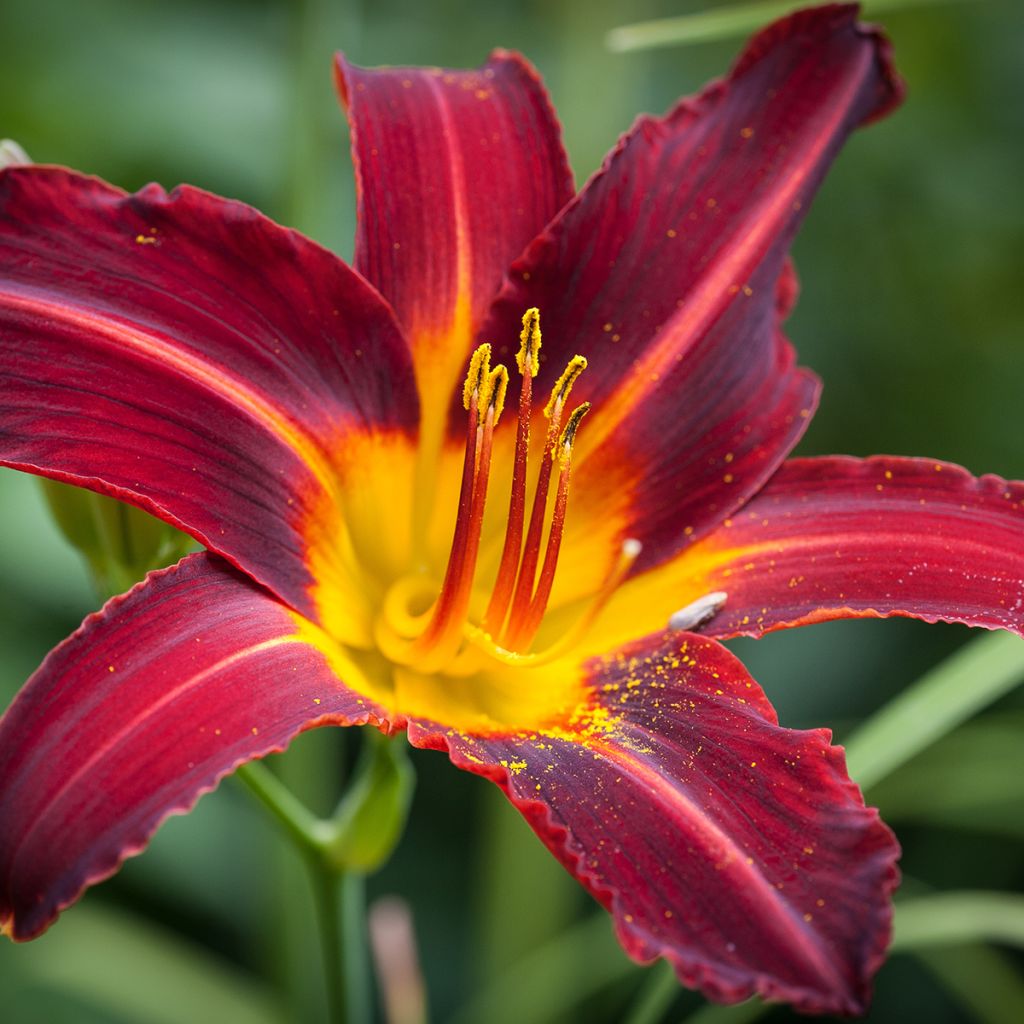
339	853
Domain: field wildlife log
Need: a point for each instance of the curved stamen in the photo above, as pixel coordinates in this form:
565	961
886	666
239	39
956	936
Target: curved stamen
484	390
527	359
519	594
628	554
531	551
526	617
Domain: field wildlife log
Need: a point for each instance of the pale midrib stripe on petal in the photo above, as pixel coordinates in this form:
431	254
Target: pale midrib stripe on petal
213	378
151	710
779	911
711	292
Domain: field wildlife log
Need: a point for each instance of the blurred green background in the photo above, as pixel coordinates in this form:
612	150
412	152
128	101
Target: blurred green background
912	311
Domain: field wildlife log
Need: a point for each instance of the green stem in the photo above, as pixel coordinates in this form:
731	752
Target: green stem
302	826
341	912
355	946
338	895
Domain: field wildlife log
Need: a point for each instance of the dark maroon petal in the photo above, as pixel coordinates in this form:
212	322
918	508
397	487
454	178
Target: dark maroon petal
669	273
457	171
141	711
186	354
738	850
841	538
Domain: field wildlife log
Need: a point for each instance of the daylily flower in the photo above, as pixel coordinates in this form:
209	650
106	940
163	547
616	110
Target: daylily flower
377	553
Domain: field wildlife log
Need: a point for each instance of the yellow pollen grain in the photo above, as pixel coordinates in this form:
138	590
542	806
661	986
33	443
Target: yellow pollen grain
573	425
476	376
529	347
746	133
497	386
560	392
671	233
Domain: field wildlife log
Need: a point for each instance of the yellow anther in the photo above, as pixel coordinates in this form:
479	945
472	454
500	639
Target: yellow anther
529	348
560	392
569	433
477	377
497	385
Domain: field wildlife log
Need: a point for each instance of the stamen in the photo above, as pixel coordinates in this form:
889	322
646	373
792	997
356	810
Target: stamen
484	390
569	434
528	361
695	614
528	356
520	595
524	625
531	550
476	375
628	554
560	392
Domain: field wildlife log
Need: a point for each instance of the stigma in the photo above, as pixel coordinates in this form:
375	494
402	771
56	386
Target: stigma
523	583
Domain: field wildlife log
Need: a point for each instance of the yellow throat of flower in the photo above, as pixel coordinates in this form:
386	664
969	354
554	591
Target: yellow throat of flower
430	630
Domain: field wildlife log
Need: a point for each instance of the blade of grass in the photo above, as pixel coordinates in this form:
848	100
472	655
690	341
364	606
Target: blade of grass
132	970
722	23
936	787
977	675
985	982
534	988
948	918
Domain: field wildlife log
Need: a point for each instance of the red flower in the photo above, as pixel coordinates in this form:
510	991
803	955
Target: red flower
305	421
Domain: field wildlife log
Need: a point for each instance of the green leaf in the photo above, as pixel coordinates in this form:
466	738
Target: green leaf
979	673
741	1013
116	963
120	543
948	918
970	779
984	981
722	23
534	989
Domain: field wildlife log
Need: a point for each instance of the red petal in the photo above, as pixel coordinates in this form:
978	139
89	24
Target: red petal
145	708
457	171
186	354
738	850
666	275
840	537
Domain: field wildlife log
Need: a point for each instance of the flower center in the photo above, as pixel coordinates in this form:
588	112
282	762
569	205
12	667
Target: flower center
431	631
